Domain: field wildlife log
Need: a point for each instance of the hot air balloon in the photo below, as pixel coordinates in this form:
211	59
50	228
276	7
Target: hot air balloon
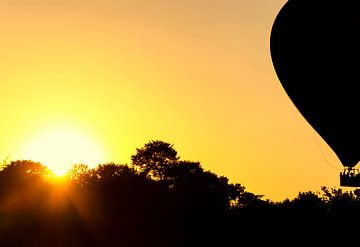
315	50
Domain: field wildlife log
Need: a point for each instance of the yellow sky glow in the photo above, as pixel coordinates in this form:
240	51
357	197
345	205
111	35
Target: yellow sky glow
197	74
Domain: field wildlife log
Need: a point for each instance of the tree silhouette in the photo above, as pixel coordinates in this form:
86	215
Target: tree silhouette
16	175
154	158
22	167
159	200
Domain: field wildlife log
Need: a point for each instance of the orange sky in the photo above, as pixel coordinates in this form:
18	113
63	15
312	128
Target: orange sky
197	74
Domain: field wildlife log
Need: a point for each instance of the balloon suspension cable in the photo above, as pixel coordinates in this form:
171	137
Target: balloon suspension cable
323	154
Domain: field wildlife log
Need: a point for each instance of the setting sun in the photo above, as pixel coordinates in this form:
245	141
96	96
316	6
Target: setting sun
60	148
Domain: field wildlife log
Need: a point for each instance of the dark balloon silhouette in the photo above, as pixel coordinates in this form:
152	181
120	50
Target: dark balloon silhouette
315	49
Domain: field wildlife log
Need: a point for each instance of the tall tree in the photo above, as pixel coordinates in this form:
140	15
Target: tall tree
154	158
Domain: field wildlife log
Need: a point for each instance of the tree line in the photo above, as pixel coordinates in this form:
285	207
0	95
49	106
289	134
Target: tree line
160	200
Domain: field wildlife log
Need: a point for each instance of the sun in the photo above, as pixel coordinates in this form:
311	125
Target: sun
60	148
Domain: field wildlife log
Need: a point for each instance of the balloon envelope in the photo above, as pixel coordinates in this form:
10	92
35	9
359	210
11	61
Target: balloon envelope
315	49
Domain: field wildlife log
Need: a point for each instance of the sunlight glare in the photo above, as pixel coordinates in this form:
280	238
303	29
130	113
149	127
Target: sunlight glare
59	149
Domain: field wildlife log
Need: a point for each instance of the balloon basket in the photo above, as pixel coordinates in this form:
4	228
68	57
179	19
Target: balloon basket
350	177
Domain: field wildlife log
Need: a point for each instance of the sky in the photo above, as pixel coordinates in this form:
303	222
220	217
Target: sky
103	77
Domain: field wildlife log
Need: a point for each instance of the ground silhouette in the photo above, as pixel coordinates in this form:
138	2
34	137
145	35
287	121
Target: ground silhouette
160	200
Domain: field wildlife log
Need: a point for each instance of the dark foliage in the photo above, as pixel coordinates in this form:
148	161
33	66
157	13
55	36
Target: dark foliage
160	200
